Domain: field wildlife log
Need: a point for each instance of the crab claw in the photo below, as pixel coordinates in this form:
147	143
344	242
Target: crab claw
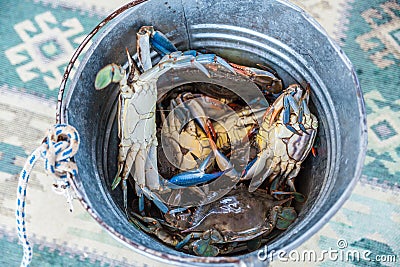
156	200
255	168
204	248
112	73
289	103
158	40
303	110
161	43
196	176
286	217
186	240
163	46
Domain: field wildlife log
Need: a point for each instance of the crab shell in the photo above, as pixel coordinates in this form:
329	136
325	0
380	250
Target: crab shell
238	216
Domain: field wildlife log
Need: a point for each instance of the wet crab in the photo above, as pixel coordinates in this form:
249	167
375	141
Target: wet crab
136	108
285	138
238	217
183	141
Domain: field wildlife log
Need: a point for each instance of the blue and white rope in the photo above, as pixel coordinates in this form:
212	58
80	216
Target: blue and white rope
57	149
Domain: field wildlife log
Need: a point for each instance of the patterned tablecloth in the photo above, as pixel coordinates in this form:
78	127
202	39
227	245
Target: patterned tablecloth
37	41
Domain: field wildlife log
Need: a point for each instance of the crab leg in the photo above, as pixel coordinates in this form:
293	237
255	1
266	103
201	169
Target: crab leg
296	195
198	113
256	168
123	176
289	103
153	197
158	40
181	113
154	227
151	170
164	47
264	78
303	110
187	239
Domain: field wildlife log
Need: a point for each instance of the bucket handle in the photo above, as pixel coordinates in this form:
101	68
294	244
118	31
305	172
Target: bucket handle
82	46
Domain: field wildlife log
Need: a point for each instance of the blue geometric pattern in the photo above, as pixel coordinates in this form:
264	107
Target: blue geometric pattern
373	45
39	44
37	41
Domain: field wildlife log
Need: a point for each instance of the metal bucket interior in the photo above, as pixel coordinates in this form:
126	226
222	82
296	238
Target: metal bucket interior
275	33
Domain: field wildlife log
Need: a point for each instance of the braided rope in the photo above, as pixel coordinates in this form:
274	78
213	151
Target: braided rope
57	149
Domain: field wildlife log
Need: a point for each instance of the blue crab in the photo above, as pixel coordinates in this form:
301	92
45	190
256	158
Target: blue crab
136	108
284	139
238	217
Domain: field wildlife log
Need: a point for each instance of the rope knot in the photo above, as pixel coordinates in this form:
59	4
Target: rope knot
60	145
57	149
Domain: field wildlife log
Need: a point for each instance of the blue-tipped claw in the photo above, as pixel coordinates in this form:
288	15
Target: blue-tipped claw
150	195
191	53
162	44
196	176
177	210
247	168
141	203
192	178
303	109
187	239
288	104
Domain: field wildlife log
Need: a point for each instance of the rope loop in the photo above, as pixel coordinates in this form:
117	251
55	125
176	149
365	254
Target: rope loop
57	149
62	143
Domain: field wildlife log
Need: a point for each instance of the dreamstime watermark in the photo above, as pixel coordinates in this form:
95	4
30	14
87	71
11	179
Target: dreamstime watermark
340	253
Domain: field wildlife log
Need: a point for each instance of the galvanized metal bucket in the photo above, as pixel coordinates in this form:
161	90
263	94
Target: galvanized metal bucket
272	32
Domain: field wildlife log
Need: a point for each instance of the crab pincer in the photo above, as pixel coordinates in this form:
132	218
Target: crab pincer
196	176
137	107
282	146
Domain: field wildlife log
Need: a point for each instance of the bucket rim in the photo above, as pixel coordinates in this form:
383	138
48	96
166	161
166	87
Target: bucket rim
158	256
